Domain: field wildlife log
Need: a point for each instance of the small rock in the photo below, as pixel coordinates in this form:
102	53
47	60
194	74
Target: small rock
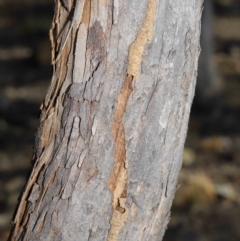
189	156
218	144
227	191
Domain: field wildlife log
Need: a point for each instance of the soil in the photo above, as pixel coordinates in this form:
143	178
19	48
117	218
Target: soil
206	207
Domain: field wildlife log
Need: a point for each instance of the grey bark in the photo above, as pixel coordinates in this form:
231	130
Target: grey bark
113	124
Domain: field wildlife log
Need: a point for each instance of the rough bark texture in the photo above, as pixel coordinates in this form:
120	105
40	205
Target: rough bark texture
113	124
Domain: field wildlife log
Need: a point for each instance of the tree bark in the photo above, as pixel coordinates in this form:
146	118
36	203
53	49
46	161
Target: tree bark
113	124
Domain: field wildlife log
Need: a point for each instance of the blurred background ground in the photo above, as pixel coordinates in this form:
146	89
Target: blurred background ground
206	207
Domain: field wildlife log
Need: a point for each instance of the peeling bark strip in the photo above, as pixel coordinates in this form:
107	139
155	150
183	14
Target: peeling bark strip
118	180
21	218
144	35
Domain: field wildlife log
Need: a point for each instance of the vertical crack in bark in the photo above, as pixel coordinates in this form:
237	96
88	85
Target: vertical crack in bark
118	180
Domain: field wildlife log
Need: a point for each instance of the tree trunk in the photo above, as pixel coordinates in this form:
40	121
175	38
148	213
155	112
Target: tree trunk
113	124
